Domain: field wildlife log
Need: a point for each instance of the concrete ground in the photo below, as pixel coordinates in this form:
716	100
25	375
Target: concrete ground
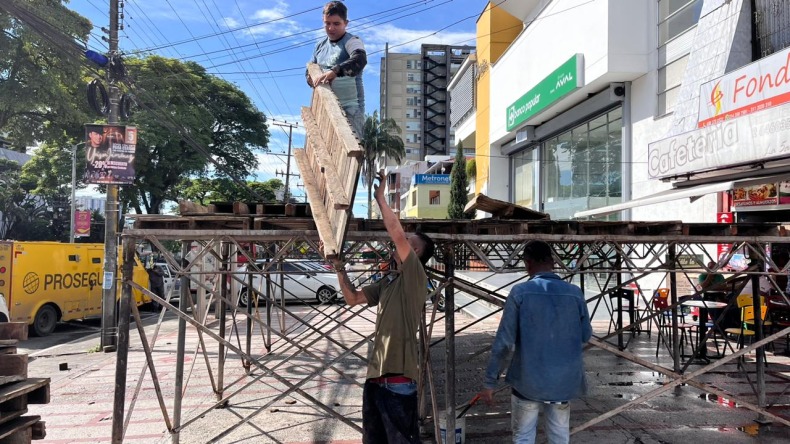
82	396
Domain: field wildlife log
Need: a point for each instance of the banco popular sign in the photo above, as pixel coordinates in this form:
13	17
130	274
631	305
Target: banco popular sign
755	137
564	80
757	86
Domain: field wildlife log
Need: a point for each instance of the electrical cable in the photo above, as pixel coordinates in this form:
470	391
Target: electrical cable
102	107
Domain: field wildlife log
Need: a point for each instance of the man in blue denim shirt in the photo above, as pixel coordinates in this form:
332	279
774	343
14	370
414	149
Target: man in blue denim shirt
544	325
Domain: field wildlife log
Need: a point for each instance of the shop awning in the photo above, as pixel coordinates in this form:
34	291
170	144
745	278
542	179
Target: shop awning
693	193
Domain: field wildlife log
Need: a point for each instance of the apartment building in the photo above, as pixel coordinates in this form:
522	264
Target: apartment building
414	94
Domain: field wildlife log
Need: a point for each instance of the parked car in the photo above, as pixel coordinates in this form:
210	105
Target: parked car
171	281
302	281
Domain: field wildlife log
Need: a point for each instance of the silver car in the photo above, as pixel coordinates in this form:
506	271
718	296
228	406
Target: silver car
301	281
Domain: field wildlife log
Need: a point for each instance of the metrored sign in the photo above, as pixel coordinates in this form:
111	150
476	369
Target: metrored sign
757	86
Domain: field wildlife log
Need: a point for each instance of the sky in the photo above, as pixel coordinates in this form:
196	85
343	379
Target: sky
263	46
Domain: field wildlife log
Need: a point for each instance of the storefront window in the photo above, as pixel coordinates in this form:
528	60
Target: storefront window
582	167
524	179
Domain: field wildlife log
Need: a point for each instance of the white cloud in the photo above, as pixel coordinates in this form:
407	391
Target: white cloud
273	22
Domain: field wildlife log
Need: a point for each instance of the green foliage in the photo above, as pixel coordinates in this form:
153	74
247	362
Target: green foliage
181	98
471	169
42	87
24	217
205	191
380	139
459	185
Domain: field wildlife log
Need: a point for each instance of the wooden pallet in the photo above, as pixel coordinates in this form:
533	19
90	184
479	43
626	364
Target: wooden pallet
187	208
201	222
17	391
329	164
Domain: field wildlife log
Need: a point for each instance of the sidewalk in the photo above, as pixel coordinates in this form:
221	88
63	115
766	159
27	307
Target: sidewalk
81	407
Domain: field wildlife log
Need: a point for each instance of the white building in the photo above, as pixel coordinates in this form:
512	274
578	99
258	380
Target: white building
91	203
576	102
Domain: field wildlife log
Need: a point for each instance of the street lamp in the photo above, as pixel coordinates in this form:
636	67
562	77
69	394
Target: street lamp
73	188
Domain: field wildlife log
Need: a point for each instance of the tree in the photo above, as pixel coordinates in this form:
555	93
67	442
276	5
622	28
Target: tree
42	83
22	215
459	186
204	191
380	139
187	116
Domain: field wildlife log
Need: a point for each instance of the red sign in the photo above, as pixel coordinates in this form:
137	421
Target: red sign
723	218
82	223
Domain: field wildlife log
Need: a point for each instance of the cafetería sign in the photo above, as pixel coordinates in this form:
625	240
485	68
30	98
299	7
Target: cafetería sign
757	86
755	137
564	80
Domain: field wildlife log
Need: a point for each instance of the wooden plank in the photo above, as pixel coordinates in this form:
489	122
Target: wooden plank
13	365
319	211
240	208
36	390
9	379
185	206
18	430
9	415
14	330
318	147
39	430
346	138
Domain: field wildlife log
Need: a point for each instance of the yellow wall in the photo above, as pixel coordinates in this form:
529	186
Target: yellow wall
496	30
424	209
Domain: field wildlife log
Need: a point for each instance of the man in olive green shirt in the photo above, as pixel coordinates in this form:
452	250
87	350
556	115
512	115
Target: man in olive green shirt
389	400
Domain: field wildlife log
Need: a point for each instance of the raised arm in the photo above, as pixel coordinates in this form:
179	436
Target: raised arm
351	294
391	222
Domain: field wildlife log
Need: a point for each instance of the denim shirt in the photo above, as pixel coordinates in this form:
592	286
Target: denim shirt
544	325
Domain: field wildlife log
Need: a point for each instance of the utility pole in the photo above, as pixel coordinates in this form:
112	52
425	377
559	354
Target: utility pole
73	189
108	320
287	174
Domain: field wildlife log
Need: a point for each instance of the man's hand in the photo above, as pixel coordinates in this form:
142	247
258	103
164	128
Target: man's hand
327	78
379	189
487	396
336	262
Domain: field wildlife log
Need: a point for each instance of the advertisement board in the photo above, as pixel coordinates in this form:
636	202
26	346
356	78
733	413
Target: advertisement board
761	195
82	223
562	81
755	87
756	137
109	153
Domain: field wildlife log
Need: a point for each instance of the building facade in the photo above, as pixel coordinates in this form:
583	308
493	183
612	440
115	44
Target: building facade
428	197
414	94
573	134
401	98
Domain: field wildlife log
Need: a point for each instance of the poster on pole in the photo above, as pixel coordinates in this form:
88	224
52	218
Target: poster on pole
109	152
82	223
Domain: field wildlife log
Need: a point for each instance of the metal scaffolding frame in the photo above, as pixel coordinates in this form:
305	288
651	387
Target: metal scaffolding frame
602	258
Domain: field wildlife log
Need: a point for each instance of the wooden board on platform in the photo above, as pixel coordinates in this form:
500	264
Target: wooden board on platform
329	164
14	330
13	365
19	430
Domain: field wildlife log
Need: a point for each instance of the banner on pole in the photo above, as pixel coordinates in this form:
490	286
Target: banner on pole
109	152
82	223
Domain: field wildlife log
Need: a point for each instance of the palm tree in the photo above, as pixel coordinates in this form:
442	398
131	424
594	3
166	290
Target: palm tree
380	139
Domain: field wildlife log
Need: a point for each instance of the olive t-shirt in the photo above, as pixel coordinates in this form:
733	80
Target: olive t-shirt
400	302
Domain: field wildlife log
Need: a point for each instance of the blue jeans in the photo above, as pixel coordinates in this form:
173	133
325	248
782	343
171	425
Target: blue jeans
524	420
389	413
